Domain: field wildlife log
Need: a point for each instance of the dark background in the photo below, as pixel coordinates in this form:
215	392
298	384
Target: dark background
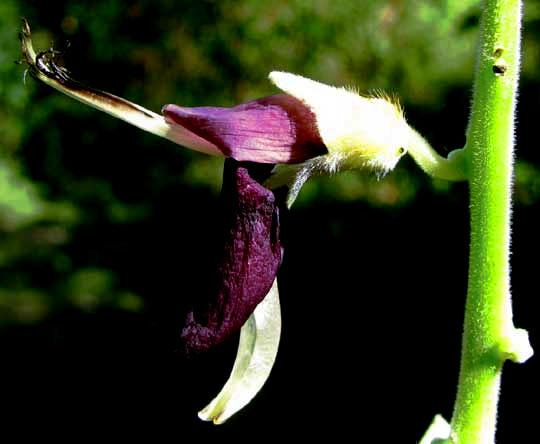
105	230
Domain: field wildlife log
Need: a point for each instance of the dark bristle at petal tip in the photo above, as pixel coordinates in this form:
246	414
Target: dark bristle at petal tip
251	255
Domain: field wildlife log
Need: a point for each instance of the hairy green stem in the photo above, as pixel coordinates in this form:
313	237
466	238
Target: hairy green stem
489	335
453	168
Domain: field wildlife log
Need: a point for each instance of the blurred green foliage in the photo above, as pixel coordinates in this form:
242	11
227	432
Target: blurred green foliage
96	215
209	52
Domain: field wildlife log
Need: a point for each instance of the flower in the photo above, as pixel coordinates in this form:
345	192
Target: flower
272	146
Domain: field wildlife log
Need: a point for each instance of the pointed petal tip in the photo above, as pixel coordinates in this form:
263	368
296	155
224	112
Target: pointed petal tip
170	109
274	74
277	76
174	113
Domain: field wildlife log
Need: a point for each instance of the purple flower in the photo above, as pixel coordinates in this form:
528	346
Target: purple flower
272	146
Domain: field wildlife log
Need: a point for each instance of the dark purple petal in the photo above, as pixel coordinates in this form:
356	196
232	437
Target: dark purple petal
274	129
249	262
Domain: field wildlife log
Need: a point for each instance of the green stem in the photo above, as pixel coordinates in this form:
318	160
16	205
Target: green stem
489	335
452	168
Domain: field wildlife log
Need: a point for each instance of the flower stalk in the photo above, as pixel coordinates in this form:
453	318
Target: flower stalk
489	334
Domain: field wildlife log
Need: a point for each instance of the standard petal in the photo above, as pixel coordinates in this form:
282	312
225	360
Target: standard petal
274	129
251	254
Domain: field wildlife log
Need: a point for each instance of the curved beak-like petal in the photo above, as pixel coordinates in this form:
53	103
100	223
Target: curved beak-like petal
45	67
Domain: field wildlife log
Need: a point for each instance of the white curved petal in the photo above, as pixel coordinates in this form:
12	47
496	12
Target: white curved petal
259	340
